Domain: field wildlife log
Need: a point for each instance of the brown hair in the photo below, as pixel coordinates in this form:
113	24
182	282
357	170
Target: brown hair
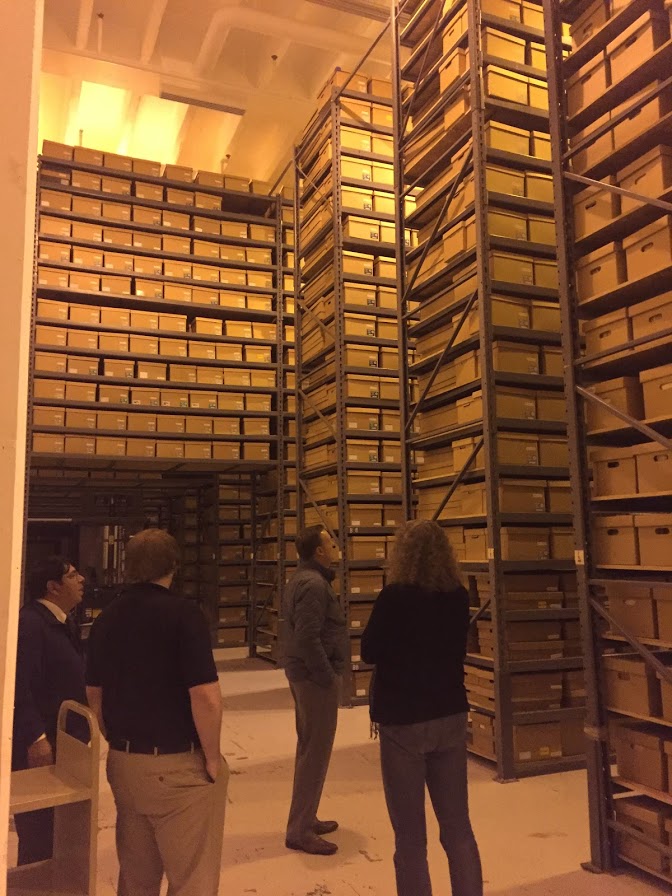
308	541
151	555
423	556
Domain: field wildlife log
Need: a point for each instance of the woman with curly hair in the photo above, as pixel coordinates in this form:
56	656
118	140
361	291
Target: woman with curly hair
416	637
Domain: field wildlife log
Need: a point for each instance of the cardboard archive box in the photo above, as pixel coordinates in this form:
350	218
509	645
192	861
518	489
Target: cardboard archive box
624	393
630	685
647	817
657	392
615	540
640	754
654	532
614	471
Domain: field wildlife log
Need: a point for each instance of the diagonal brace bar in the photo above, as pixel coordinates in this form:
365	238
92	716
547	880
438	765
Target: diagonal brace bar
636	424
460	476
648	656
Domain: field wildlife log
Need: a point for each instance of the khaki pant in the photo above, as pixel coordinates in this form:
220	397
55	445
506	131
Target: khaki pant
316	710
170	819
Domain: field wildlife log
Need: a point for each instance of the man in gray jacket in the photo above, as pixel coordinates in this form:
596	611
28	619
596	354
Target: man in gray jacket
316	650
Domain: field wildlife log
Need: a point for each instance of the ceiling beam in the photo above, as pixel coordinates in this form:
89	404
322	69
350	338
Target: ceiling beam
152	29
84	24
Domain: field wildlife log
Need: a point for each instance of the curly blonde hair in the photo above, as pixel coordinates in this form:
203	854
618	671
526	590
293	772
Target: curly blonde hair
423	556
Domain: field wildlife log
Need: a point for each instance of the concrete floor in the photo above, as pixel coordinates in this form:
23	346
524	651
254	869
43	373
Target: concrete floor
532	833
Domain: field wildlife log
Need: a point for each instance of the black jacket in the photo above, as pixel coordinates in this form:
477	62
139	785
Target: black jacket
315	642
49	670
417	640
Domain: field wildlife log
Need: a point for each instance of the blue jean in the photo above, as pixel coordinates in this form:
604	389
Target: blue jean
434	754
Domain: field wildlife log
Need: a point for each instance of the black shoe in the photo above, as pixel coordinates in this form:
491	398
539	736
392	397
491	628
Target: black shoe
316	846
325	827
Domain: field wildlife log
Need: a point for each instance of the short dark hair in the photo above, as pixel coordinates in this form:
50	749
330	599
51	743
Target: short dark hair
308	541
52	569
151	555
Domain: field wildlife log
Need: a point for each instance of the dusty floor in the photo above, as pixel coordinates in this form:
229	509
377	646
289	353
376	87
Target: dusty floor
532	834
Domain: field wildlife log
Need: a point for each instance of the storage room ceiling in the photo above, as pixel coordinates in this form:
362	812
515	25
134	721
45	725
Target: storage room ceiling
193	82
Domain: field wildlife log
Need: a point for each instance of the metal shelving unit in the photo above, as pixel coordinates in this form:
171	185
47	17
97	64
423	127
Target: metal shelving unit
622	586
347	369
479	300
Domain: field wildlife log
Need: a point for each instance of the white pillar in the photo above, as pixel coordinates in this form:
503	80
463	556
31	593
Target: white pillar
20	54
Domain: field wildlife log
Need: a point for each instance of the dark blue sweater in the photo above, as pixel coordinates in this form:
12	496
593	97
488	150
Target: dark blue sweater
417	640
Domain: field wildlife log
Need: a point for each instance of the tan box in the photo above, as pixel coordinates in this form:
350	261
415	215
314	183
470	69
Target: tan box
631	604
116	186
650	249
48	444
175	245
111	447
654	469
637	41
150	216
600	271
168	448
144	345
54	199
174	293
587	85
55	226
174	398
113	342
59	253
85	282
650	317
56	336
52	310
140	448
87	156
150	242
118	262
147	370
624	393
113	394
209	297
511	268
52	278
533	743
115	317
615	540
179	197
630	686
176	348
50	363
656	387
53	417
81	339
226	450
119	369
56	150
145	320
114	237
80	445
654	531
650	175
117	211
80	419
607	332
614	471
520	543
109	420
173	323
146	398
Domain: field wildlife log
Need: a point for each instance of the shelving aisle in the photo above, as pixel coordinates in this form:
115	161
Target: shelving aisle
157	350
491	445
348	443
611	103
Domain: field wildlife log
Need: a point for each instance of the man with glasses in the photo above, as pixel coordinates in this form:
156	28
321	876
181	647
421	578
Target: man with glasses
49	670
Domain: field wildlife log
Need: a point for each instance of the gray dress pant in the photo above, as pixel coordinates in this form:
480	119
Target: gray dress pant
434	754
316	710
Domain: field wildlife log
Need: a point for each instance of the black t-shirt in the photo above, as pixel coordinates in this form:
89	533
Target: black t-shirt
417	640
146	649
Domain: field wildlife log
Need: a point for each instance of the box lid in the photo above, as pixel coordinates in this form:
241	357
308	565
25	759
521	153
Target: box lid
604	455
621	382
644	161
653	520
638	25
505	73
655	449
633	665
614	521
647	232
652	737
593	257
642	808
657	373
605	320
650	304
598	61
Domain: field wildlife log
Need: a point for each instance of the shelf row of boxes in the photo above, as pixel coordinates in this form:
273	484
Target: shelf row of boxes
530	691
78	419
108	446
644	609
518	543
541	640
632	540
530	591
128	237
532	742
643	398
515	496
115	165
508	357
144	373
633	470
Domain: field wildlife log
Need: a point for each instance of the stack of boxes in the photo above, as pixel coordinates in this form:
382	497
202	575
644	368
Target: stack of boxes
495	158
156	327
236	541
349	421
276	519
618	114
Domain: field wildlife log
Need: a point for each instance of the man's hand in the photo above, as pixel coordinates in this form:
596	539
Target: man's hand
213	768
40	753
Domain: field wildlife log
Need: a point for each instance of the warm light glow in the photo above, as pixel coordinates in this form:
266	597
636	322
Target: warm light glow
156	130
100	116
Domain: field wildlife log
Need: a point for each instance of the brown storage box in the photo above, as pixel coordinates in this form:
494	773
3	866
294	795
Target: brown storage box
607	332
600	271
624	393
649	249
632	605
631	686
650	175
537	742
80	445
654	469
614	471
655	538
657	392
615	540
650	317
140	448
587	85
523	543
638	41
594	209
647	817
640	754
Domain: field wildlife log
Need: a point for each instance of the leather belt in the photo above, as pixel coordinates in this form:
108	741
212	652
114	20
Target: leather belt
136	746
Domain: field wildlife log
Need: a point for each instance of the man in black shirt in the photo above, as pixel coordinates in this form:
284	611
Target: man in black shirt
49	670
152	682
316	648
